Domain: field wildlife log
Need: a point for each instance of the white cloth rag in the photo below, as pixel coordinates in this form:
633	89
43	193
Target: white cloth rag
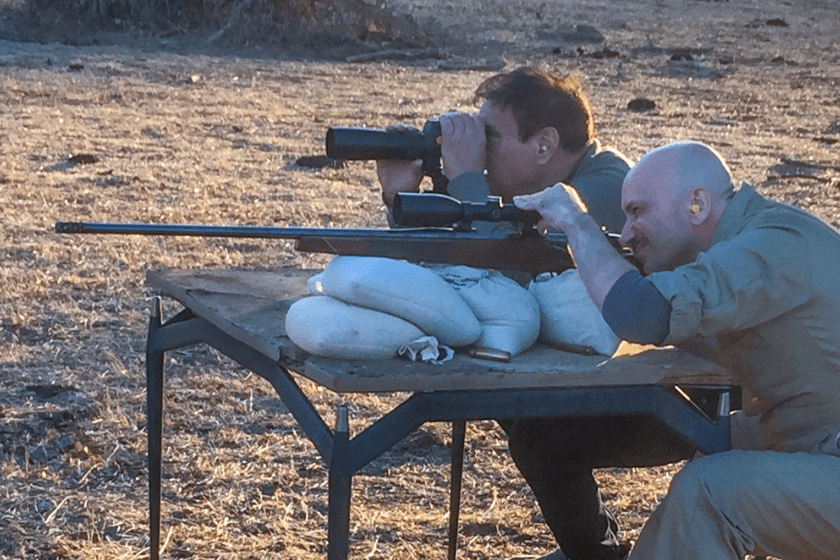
426	349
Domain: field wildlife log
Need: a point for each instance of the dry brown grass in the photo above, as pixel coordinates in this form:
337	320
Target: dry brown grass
212	139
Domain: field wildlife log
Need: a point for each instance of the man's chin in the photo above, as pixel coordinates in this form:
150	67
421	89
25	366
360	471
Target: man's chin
643	262
648	265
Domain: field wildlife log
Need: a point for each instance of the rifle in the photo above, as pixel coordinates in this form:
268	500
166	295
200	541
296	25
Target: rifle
370	143
442	232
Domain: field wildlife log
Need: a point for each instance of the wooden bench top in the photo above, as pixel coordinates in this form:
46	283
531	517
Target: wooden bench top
251	306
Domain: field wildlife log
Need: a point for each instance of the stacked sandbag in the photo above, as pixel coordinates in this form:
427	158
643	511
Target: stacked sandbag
328	327
397	289
509	314
568	314
409	291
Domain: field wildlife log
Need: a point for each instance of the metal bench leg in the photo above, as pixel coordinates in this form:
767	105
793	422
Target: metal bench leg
154	427
459	429
723	420
340	479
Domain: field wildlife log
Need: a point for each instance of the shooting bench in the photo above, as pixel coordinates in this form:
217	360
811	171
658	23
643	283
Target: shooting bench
242	313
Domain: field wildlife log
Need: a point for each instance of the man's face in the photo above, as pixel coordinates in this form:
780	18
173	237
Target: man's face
658	227
511	164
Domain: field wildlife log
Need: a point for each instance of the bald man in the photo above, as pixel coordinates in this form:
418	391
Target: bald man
753	285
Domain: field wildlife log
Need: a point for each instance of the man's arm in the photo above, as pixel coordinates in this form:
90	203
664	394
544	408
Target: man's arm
397	176
463	152
631	305
599	264
636	310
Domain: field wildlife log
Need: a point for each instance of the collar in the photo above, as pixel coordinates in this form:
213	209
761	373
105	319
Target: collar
732	218
592	148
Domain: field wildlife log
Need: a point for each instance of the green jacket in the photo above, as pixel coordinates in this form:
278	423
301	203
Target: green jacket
764	300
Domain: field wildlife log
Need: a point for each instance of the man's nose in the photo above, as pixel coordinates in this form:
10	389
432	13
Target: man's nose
627	233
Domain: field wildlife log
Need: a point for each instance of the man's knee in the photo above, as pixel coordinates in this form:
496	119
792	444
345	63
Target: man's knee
544	443
523	439
715	478
528	434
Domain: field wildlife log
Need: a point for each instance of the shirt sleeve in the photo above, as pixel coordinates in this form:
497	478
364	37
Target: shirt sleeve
469	187
636	311
737	284
466	187
598	181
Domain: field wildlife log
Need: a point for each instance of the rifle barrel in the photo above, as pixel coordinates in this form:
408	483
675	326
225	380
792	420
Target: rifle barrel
432	245
265	232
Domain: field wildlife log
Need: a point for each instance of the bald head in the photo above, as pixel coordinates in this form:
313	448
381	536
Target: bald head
686	165
674	197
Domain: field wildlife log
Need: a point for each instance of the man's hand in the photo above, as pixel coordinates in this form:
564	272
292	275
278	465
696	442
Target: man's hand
397	176
599	264
559	206
463	143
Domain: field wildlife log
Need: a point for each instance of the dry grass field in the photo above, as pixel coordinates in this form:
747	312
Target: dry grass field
160	129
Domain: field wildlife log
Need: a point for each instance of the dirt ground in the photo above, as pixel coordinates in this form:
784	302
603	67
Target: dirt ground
158	129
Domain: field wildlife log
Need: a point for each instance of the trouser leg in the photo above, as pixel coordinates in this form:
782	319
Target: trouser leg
583	526
727	505
556	457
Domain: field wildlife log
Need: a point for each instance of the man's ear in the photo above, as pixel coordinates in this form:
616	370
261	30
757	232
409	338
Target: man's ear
700	205
545	143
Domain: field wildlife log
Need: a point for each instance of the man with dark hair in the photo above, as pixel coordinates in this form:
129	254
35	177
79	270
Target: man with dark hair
533	130
751	284
538	99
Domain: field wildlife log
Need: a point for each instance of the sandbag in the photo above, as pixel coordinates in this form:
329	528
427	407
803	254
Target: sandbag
327	327
568	314
509	315
405	290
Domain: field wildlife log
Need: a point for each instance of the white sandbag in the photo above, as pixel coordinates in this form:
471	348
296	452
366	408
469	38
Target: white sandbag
327	327
405	290
508	314
569	315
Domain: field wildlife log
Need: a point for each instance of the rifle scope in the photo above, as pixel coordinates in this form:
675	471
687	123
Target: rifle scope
439	210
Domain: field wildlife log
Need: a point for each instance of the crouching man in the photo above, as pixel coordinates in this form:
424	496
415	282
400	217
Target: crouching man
751	284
